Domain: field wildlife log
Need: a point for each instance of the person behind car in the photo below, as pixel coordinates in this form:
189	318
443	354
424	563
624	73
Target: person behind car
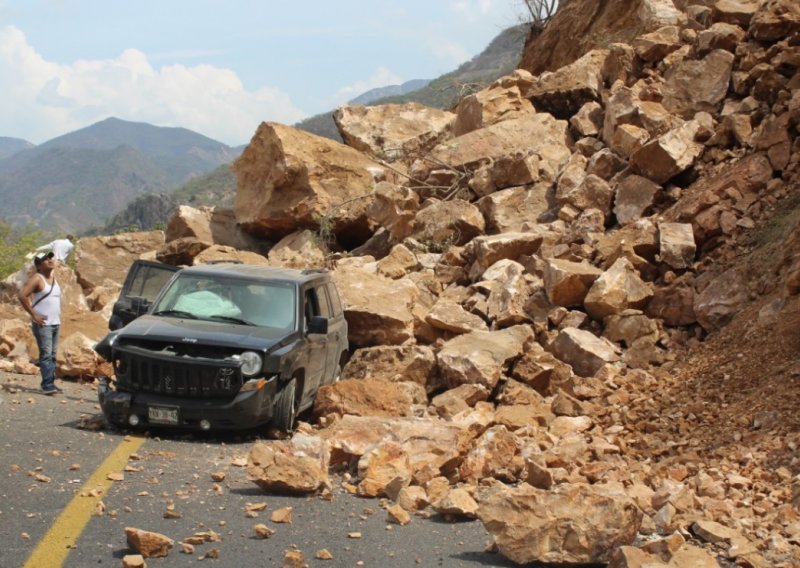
41	298
61	248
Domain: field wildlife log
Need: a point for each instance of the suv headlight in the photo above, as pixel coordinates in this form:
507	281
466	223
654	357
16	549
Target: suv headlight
251	363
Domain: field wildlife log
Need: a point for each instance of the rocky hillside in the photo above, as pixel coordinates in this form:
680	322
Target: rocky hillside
573	300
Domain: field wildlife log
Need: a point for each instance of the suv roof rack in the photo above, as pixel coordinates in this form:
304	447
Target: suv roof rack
314	271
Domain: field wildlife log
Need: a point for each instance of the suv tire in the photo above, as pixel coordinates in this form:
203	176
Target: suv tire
286	407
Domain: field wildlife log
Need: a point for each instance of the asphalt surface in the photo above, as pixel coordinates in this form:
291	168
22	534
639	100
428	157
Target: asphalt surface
55	511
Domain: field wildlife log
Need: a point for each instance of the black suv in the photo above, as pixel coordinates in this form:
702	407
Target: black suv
224	346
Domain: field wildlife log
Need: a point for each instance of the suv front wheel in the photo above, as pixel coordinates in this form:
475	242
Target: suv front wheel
286	407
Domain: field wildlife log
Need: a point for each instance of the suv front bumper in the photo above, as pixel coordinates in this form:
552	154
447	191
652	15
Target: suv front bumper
246	410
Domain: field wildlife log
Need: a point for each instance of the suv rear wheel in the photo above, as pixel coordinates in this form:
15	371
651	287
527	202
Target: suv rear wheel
286	407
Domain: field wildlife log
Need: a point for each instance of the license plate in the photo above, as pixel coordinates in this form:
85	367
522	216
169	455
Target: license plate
162	415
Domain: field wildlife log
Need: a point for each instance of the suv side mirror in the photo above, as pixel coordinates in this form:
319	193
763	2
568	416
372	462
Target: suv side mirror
139	305
318	324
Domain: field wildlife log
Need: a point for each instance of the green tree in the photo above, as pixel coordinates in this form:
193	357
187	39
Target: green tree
15	243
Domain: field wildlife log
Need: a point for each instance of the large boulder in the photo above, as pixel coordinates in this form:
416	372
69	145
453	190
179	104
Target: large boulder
101	261
482	357
377	309
209	224
289	179
538	133
500	101
570	524
563	92
583	350
299	465
392	131
693	86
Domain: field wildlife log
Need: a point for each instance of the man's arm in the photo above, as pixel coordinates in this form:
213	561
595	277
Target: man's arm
48	246
34	284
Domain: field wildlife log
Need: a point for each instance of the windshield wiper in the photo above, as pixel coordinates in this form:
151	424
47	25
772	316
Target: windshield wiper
176	313
231	319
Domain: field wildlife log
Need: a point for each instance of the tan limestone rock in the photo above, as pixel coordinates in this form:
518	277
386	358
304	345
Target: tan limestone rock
488	106
458	399
372	320
364	397
572	523
539	133
564	91
583	350
567	282
414	363
300	249
737	12
223	253
457	503
720	36
635	198
491	248
384	470
101	261
775	20
694	86
496	454
288	179
676	244
721	299
619	288
210	225
441	223
181	251
509	210
399	262
392	131
394	208
481	357
148	544
450	316
668	155
431	444
412	498
542	371
77	357
297	466
655	46
588	121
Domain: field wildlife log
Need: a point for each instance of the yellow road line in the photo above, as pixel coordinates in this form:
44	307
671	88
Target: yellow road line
53	549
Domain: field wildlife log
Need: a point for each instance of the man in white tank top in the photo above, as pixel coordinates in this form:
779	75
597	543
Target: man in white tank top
41	298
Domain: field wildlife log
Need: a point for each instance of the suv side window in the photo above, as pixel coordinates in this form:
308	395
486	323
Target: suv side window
322	298
333	296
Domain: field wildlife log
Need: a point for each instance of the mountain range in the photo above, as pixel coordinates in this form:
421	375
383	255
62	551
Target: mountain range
118	175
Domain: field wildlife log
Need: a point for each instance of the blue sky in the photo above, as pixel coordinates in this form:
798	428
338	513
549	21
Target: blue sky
221	67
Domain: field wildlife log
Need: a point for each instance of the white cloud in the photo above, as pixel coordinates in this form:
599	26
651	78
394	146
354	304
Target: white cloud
43	100
381	77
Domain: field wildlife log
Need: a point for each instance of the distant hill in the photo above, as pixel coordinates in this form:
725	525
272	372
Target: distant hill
499	58
389	91
82	178
10	146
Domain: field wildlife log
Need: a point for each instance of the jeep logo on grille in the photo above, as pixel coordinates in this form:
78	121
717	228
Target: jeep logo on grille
224	378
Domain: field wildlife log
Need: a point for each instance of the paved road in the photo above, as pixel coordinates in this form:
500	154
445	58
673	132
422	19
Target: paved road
59	507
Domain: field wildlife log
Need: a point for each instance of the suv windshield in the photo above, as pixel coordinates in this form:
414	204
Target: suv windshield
231	300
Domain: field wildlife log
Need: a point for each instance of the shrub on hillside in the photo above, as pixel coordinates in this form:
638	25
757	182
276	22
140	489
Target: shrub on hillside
15	243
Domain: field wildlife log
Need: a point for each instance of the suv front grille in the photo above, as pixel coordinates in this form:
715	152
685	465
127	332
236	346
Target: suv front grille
163	372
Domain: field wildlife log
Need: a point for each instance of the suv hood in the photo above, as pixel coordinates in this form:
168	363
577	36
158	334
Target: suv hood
155	328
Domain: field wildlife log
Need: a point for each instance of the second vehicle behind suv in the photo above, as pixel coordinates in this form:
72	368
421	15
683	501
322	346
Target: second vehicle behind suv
226	346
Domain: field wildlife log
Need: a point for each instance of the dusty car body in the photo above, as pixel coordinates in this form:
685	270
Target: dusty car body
220	347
